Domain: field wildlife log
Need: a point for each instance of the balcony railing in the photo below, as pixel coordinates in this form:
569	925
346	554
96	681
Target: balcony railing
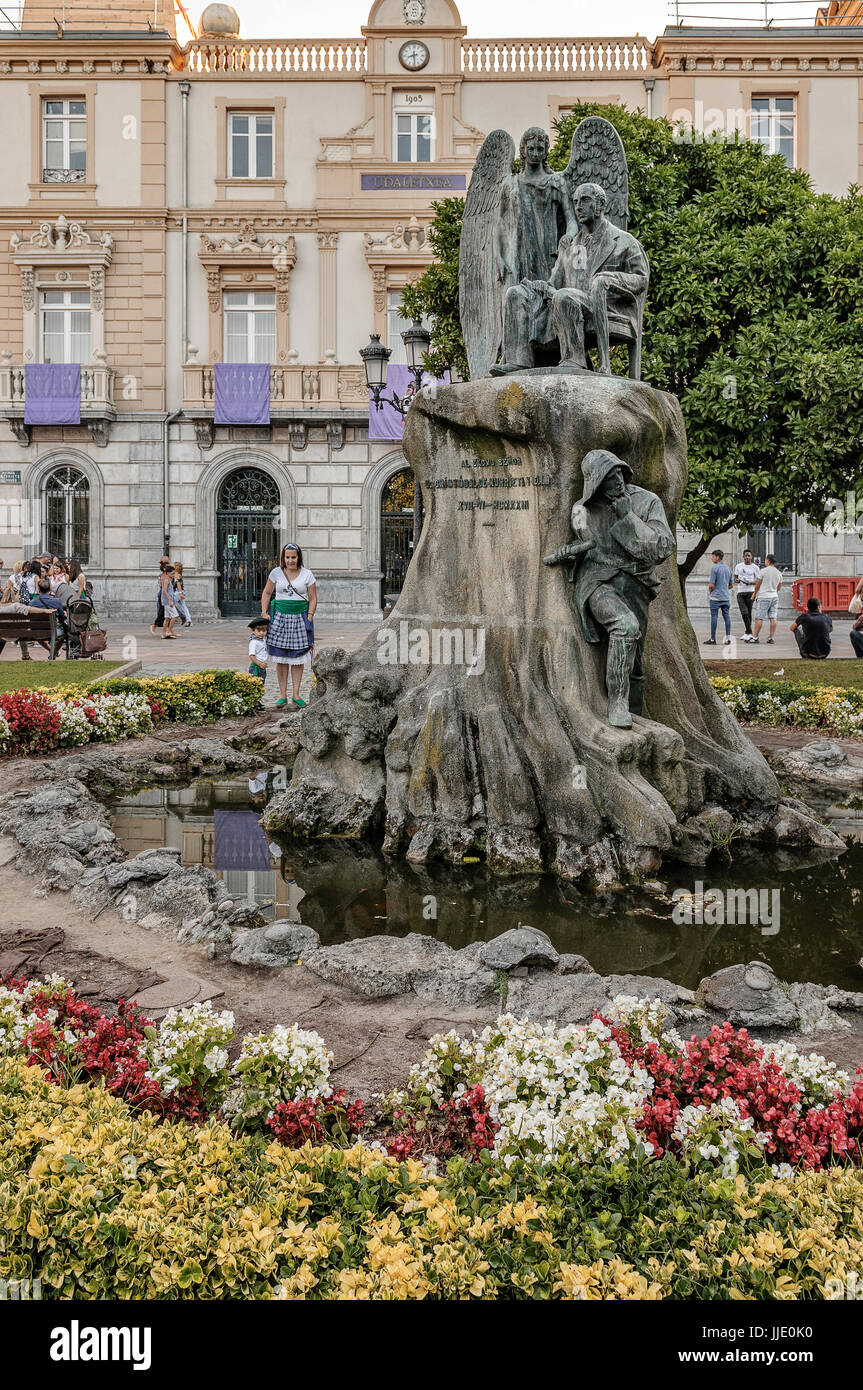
522	58
305	57
292	388
97	398
527	58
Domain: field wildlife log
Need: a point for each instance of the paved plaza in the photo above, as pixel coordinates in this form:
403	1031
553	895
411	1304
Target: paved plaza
224	644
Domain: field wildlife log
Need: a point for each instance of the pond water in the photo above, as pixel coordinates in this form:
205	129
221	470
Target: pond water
808	924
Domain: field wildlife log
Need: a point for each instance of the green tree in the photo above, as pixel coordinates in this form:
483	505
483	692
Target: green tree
754	319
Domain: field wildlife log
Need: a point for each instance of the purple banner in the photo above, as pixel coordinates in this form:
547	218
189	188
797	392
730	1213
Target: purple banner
388	423
240	843
52	393
242	391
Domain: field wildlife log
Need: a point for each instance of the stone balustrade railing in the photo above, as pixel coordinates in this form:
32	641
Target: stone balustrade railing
97	387
523	58
292	387
303	57
527	58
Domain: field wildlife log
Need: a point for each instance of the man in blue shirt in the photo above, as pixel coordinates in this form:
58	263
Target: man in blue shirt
719	589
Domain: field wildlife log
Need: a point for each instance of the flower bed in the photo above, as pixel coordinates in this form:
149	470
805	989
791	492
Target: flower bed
835	709
607	1161
39	721
98	1202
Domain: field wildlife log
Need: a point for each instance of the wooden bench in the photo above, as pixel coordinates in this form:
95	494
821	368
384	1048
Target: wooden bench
32	627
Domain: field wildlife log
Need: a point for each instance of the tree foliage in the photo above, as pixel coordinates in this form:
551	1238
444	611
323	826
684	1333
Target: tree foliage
754	318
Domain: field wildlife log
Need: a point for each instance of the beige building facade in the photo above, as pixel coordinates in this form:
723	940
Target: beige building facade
167	206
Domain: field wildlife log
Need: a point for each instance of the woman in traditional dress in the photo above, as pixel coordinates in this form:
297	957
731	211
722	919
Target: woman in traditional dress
289	600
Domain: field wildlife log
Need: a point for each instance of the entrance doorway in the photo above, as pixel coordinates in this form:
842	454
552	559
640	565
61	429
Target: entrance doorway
400	528
247	539
777	541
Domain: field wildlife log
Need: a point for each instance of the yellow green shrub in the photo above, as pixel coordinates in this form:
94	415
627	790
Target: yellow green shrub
98	1203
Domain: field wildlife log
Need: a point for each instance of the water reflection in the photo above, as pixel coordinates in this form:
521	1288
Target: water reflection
347	890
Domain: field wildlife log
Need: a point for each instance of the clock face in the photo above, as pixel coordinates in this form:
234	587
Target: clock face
413	55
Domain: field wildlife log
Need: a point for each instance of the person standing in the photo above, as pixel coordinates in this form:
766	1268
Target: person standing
180	595
856	636
746	577
291	634
719	589
169	608
766	597
812	631
159	619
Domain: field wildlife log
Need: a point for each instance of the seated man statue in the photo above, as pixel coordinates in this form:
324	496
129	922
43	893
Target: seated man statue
598	269
620	535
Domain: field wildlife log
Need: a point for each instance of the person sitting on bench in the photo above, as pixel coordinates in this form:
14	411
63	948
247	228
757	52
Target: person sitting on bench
812	630
45	599
21	610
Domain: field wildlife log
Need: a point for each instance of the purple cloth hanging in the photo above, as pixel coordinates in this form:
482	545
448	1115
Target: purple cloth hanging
240	843
242	392
52	393
387	423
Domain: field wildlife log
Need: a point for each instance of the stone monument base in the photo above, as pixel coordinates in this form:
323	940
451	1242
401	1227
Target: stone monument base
474	722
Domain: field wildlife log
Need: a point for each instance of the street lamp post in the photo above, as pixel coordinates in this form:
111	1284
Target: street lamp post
375	357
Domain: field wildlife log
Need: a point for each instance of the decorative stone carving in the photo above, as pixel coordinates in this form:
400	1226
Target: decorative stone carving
311	385
205	434
298	434
214	289
336	434
97	287
28	287
379	282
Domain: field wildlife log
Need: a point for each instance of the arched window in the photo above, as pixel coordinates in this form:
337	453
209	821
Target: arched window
66	513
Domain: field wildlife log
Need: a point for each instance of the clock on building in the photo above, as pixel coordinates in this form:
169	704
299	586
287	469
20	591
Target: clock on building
413	55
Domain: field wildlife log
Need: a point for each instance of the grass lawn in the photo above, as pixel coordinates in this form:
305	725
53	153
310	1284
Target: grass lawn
27	675
833	671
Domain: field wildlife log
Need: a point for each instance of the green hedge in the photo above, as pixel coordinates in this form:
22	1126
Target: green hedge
835	709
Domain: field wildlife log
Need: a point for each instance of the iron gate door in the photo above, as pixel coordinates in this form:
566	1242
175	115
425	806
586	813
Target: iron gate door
247	540
397	544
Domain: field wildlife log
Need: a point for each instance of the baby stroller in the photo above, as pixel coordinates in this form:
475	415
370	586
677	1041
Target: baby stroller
79	615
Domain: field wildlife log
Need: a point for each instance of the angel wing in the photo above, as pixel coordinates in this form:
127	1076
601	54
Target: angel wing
479	295
597	156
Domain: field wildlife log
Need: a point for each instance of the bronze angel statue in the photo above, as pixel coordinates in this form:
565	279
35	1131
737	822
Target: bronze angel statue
547	268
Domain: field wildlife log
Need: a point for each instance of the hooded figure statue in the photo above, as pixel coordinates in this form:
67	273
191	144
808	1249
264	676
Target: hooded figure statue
620	535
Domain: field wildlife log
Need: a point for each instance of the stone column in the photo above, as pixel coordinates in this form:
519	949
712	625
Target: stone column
328	243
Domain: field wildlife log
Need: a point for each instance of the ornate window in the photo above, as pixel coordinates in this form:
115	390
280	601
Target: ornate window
66	514
248	490
63	284
248	290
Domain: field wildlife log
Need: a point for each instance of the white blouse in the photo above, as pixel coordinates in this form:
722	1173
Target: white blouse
301	583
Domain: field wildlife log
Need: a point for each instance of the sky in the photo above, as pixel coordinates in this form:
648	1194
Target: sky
500	18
